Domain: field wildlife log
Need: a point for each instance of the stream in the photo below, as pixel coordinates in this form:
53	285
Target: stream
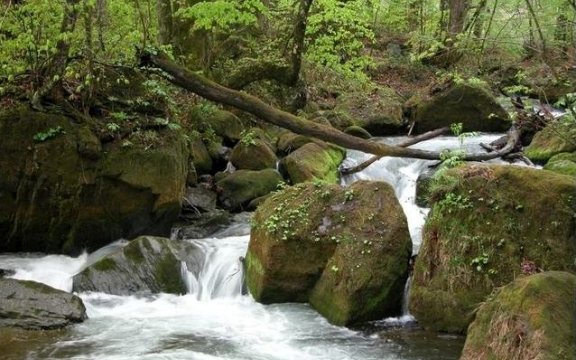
214	320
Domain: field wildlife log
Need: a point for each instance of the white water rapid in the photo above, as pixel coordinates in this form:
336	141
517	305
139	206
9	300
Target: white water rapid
214	321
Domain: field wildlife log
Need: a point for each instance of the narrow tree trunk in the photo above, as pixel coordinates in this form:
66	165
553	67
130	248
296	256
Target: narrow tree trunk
240	100
165	21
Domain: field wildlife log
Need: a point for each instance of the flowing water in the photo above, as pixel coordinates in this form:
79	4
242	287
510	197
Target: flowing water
214	320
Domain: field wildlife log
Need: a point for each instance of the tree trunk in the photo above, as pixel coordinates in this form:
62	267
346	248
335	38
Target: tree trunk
212	91
458	9
165	21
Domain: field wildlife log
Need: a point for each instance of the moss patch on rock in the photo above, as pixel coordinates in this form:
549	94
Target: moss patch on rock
452	103
313	161
243	186
253	154
146	265
485	222
345	250
554	139
534	317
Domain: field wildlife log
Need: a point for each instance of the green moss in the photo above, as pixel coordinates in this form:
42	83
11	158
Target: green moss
460	261
168	275
531	318
313	162
105	264
38	287
554	139
133	252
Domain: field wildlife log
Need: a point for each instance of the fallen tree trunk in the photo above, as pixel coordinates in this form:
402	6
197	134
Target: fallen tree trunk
212	91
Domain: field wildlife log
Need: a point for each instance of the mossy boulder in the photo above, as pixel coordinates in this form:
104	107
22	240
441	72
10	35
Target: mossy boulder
486	221
289	142
225	124
60	193
243	186
345	250
200	156
358	132
146	265
452	103
378	111
554	139
35	306
313	161
563	163
253	154
534	317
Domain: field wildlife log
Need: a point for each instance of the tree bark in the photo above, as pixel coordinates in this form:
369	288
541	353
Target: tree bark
212	91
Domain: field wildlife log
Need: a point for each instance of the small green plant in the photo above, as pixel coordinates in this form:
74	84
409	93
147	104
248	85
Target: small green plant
48	134
119	116
349	195
112	126
480	261
453	202
248	138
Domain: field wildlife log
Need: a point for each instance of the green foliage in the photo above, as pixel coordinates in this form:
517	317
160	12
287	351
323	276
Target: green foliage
337	33
48	134
222	15
248	137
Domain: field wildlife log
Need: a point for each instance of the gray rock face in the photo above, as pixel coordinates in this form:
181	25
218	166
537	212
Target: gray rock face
36	306
146	265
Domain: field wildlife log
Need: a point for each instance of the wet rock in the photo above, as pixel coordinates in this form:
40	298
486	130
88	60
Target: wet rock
146	265
31	305
345	250
6	273
200	156
486	222
202	225
199	199
531	318
312	161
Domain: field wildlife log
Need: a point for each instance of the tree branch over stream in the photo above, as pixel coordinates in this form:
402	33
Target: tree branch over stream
212	91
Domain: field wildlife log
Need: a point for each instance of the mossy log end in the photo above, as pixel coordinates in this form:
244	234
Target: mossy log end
210	90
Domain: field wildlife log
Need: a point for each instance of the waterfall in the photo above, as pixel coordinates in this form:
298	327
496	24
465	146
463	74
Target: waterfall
219	272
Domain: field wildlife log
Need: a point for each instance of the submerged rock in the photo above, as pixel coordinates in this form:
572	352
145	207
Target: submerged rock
146	265
485	223
313	161
531	318
453	103
31	305
345	250
62	191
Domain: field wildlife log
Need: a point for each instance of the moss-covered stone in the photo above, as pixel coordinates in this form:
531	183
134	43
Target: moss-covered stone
531	318
485	222
226	125
554	139
452	103
358	132
378	111
243	186
313	161
200	156
345	250
253	154
65	193
289	142
146	265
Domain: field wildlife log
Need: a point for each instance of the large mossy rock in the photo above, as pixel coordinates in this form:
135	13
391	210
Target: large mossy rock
379	112
471	105
534	317
147	265
243	186
486	221
345	250
554	139
313	161
200	156
31	305
253	154
563	163
67	192
289	142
